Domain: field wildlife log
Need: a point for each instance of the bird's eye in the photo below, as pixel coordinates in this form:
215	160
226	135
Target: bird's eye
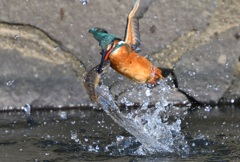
101	30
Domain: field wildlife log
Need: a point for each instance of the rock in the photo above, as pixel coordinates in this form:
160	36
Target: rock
206	72
35	71
52	36
232	95
68	22
225	17
224	20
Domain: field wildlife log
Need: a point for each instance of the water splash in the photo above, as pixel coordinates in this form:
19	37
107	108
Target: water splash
149	125
27	110
155	134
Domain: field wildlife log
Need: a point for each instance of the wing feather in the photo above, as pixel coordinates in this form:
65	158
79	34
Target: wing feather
132	33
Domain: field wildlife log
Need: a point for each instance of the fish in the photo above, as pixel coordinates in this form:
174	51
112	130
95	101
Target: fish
97	92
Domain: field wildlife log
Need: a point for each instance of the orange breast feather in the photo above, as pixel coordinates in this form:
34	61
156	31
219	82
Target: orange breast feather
133	65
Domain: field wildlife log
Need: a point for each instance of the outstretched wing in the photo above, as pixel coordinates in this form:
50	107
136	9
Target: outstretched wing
132	33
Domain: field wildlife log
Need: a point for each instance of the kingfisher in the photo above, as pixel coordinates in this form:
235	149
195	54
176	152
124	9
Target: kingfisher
123	54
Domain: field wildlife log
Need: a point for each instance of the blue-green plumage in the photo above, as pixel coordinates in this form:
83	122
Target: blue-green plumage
102	37
104	40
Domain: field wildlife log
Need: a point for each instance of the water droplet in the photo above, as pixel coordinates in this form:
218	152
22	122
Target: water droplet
27	109
119	138
164	103
106	149
90	148
120	78
56	48
74	136
227	65
16	36
139	94
10	82
84	2
209	86
207	108
148	92
63	114
126	102
97	147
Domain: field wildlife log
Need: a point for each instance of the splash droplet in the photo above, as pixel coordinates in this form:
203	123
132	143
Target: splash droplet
84	2
63	114
10	82
148	92
27	109
56	48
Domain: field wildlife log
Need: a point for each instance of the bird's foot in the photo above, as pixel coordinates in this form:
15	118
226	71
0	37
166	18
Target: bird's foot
158	74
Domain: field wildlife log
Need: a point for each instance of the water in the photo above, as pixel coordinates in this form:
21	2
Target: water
158	132
161	132
87	134
146	124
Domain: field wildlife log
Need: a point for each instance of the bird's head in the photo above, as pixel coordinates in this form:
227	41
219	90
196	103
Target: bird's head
102	36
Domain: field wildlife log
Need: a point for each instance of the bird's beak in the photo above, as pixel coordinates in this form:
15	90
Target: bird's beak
104	57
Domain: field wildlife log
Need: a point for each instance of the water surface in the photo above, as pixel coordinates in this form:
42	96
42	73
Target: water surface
211	134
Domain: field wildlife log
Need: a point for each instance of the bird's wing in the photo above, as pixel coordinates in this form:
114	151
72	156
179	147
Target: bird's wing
132	33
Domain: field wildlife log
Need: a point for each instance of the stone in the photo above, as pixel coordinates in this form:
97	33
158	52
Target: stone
232	95
52	36
68	22
35	71
206	72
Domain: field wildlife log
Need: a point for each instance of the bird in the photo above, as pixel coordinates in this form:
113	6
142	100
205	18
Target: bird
124	54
